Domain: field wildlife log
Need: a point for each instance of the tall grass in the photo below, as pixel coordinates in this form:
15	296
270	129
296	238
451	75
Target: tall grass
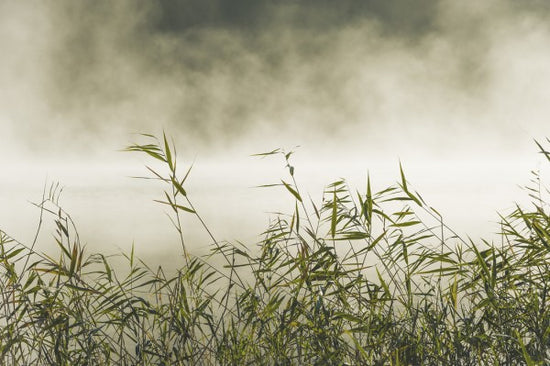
360	278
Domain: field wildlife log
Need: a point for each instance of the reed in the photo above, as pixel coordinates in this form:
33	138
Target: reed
360	278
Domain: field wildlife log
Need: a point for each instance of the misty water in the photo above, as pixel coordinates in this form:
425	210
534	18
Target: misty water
114	211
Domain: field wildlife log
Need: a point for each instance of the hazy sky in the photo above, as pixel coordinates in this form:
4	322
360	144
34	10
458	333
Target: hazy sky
455	89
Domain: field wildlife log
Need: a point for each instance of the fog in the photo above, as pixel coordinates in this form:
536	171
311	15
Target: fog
455	90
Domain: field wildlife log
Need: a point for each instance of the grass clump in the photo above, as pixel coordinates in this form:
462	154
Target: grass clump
360	278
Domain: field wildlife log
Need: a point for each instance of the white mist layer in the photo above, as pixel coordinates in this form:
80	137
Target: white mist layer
459	106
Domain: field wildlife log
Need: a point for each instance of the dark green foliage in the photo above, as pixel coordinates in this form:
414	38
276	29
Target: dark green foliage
361	278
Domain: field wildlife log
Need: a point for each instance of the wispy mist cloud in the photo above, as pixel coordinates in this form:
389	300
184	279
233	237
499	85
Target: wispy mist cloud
216	71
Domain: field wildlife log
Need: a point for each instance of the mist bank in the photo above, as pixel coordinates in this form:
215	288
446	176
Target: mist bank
77	76
457	92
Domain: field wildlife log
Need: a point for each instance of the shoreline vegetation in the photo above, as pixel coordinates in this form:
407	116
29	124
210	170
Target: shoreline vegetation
360	278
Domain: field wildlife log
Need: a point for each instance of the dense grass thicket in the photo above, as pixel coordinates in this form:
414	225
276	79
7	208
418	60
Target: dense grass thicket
361	278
